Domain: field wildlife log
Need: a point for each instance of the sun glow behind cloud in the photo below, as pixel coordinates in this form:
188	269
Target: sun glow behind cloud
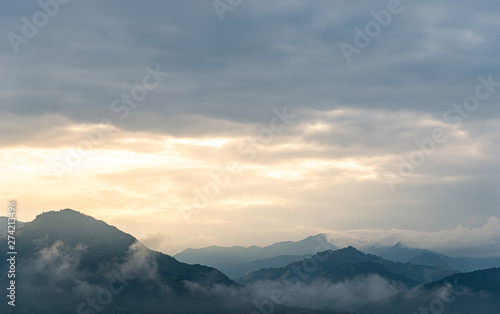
216	142
328	169
318	167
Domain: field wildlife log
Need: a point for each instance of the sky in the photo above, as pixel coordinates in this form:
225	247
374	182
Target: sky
196	123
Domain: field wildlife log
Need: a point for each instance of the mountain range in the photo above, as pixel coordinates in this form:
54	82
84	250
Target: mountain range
350	280
69	262
399	253
237	261
345	264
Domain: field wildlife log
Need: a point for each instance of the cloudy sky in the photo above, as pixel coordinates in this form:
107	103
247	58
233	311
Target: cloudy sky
192	123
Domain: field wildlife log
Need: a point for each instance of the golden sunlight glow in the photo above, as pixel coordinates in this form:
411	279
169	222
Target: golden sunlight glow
318	127
129	176
216	142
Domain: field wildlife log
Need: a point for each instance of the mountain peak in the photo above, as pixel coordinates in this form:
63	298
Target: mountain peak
75	228
66	211
345	255
428	258
350	250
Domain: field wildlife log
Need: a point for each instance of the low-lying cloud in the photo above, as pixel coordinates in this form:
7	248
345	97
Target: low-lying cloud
481	241
320	294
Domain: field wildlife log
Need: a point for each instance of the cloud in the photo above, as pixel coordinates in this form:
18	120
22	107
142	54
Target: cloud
326	171
481	241
158	242
291	56
57	263
367	294
140	264
163	243
347	295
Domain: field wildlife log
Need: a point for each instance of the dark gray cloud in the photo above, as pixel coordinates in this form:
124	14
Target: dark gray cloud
264	54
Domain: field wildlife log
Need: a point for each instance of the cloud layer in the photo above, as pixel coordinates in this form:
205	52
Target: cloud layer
68	142
481	241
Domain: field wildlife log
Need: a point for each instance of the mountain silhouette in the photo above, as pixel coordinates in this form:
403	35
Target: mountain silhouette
238	270
430	259
69	262
347	263
461	293
237	260
400	253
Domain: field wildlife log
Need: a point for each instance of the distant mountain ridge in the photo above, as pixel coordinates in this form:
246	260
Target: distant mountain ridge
349	262
426	258
237	270
218	254
399	253
237	260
